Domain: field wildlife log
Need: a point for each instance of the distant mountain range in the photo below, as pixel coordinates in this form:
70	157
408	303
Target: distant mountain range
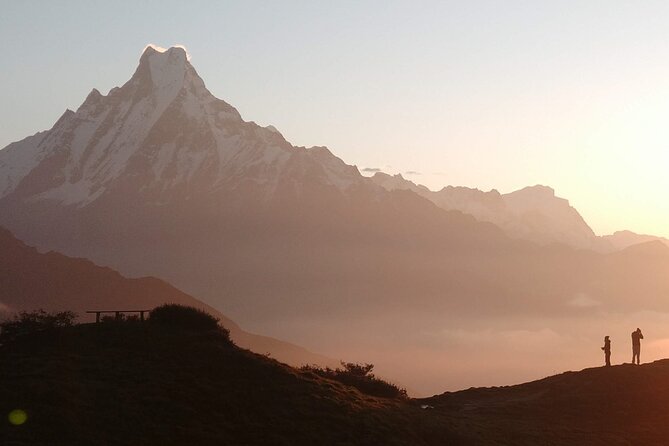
53	282
160	178
533	213
624	239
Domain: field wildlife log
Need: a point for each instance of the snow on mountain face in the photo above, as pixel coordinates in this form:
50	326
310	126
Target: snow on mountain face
397	182
161	130
533	213
17	159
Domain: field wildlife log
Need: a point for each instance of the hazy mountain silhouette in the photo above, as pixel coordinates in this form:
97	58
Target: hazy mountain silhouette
533	213
86	384
624	239
161	178
54	282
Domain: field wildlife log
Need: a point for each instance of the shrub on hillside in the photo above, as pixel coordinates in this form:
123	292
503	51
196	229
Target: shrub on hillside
185	318
359	376
26	322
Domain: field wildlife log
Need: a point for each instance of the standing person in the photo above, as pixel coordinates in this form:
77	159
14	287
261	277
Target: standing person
607	351
637	336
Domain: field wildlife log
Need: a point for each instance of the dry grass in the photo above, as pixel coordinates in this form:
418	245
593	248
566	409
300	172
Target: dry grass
139	383
135	383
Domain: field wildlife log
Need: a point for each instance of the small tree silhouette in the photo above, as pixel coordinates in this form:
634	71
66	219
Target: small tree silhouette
359	376
26	322
357	369
181	317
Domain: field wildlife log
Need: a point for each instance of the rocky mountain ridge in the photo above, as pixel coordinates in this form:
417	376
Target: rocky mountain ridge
533	213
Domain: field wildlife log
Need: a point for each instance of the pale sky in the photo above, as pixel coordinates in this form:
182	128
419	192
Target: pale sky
487	94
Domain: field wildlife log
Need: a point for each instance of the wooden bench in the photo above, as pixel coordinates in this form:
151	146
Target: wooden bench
117	313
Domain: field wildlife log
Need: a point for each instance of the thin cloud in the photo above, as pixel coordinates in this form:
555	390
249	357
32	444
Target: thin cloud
582	300
372	169
412	172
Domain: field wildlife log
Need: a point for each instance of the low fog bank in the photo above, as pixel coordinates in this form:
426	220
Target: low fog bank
430	355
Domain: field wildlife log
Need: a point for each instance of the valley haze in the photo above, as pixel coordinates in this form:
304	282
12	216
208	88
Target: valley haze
439	289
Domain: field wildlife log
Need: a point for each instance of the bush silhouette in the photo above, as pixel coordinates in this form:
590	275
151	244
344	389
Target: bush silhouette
182	317
359	376
26	322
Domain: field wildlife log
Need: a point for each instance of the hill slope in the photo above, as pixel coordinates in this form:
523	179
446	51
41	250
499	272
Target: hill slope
136	383
620	405
139	383
30	280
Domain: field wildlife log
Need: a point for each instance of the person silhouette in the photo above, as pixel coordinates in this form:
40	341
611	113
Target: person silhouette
607	351
637	336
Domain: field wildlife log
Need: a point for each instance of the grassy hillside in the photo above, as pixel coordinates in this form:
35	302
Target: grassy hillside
133	383
620	405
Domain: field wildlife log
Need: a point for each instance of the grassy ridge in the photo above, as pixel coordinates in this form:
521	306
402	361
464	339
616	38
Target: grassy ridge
133	383
138	383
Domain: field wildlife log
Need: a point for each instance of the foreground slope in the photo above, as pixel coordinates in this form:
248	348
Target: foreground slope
54	282
140	383
136	383
619	405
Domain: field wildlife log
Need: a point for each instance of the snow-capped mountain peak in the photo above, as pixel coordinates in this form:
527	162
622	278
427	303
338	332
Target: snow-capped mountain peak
167	68
161	132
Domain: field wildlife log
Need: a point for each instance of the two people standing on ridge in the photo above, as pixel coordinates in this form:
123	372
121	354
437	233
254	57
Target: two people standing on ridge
637	336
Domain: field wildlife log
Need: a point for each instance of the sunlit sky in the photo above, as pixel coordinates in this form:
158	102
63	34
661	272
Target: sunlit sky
486	94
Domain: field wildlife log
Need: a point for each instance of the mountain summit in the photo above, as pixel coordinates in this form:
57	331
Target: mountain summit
163	134
159	177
